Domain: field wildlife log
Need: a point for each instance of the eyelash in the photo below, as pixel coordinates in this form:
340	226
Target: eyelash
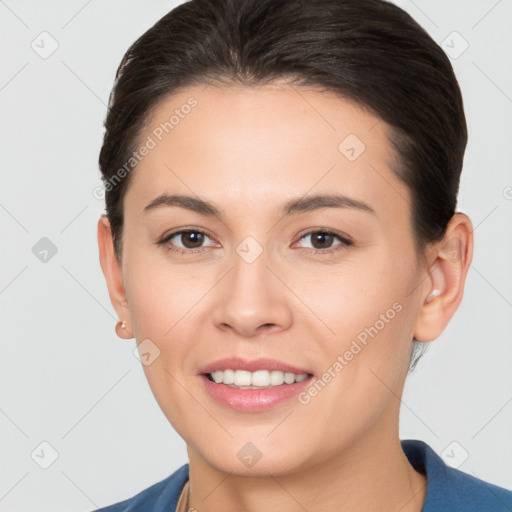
345	242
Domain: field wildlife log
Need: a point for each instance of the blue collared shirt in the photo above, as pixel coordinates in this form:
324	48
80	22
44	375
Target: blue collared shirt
448	489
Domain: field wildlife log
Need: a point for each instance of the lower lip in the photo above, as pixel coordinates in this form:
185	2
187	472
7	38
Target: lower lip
253	400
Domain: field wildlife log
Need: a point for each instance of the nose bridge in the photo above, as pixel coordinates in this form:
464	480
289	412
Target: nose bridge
250	272
251	295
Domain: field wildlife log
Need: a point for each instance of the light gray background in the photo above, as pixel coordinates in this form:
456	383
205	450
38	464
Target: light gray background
65	376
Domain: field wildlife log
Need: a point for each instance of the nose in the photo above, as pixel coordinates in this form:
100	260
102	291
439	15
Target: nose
252	299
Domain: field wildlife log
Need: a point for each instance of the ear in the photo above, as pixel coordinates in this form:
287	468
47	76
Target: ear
446	278
113	275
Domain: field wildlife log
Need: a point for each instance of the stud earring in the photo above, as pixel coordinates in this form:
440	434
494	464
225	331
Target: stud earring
120	325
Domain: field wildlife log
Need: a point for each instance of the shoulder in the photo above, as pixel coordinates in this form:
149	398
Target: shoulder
450	489
162	496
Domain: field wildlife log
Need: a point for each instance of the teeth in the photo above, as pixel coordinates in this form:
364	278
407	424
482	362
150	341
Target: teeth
258	379
242	378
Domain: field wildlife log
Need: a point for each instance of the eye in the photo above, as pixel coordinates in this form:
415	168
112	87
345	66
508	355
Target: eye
190	241
323	239
185	241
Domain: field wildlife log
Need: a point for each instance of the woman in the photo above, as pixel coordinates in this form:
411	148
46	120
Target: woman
281	181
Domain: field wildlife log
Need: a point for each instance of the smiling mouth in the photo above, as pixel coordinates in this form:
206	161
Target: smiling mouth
260	379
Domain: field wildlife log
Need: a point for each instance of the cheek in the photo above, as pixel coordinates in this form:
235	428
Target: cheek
169	389
368	319
354	298
162	299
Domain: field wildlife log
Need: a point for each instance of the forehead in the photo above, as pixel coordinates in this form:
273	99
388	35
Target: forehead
263	143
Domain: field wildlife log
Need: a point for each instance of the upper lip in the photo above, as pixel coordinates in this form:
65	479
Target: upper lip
237	363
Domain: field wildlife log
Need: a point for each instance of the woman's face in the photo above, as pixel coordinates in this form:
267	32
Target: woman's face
273	276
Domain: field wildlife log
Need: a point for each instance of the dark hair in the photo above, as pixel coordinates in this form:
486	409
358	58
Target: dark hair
368	51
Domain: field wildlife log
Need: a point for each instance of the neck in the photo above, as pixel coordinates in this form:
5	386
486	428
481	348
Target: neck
372	473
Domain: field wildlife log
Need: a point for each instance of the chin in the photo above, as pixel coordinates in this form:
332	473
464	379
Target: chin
251	458
263	467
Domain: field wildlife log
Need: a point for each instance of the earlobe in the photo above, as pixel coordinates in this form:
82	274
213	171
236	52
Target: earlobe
113	276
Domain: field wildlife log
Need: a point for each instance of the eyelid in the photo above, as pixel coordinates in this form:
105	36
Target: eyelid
329	231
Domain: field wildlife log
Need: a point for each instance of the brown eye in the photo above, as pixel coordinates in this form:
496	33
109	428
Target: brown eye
324	240
186	241
190	239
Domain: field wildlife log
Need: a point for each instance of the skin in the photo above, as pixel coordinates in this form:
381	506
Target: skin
249	150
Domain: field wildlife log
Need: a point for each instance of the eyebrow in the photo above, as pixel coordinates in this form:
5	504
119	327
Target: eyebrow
294	206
